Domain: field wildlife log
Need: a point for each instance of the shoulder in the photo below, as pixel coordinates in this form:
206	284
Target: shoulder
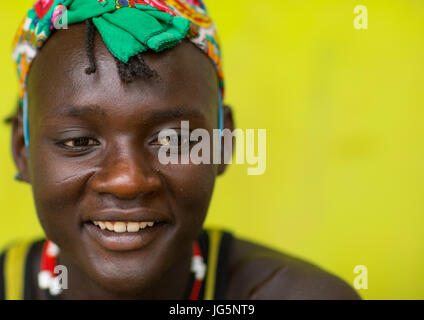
16	263
259	272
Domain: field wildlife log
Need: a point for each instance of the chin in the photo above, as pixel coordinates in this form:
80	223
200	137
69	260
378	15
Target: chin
125	278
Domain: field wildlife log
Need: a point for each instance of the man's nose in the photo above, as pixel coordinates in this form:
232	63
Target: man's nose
126	175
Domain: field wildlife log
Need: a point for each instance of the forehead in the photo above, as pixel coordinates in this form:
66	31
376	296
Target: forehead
186	77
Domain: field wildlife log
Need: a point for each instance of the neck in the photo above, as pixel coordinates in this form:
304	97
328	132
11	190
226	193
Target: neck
172	285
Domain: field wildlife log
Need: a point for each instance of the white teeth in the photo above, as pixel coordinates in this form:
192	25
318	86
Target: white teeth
121	227
109	226
133	226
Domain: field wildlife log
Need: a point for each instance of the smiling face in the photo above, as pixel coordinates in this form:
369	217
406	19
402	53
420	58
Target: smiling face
93	156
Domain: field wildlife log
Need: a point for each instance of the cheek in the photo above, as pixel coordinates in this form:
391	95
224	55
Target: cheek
191	188
57	186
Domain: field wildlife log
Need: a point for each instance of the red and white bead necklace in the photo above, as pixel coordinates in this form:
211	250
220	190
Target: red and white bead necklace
47	279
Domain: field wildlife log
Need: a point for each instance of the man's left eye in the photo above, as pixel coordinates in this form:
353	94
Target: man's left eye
173	141
80	142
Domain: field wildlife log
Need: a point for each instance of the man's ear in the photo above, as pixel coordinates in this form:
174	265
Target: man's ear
18	147
226	149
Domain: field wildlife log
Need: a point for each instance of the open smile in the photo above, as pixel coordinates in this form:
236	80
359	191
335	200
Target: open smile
121	227
124	230
120	240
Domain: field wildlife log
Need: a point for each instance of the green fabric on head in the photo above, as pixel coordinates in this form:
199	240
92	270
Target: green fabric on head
120	28
125	42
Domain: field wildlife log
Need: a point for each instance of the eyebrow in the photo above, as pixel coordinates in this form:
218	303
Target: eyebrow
178	112
70	110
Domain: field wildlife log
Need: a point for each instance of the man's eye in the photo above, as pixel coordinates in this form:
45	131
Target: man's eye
164	141
173	141
80	142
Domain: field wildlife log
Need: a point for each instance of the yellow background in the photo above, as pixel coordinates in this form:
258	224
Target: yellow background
343	109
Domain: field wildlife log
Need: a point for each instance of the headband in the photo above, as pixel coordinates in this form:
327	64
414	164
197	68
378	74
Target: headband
127	27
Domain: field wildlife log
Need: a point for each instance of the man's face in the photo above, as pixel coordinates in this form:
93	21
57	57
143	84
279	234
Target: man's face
94	157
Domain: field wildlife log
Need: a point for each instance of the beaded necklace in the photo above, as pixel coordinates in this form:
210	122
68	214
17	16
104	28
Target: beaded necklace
47	279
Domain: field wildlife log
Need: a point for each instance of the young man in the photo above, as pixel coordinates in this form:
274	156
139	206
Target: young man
95	98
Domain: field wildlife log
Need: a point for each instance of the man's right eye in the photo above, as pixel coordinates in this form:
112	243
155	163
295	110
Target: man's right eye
80	142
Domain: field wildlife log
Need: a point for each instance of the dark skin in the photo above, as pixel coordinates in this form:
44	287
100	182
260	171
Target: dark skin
117	167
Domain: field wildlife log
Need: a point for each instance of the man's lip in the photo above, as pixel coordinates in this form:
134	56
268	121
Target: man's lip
127	241
138	215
